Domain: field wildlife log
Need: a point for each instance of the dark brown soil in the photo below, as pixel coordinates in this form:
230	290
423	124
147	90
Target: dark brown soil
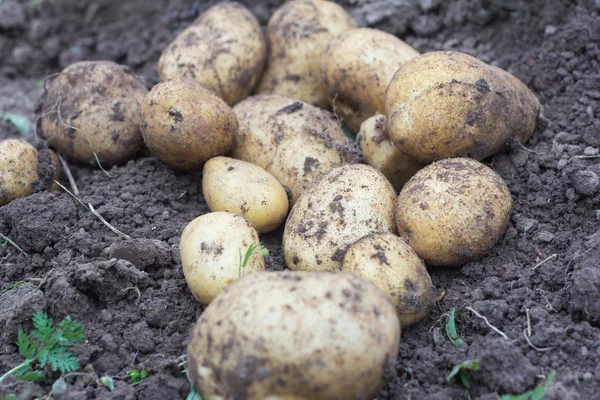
131	295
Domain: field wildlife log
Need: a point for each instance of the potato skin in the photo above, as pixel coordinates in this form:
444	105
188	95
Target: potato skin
294	336
18	169
210	247
224	50
184	124
297	34
94	106
346	204
357	67
453	211
448	104
392	265
244	189
292	140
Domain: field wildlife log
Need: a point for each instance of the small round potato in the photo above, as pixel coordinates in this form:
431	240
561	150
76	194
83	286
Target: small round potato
381	154
185	124
224	50
92	109
448	104
244	189
295	336
357	67
297	34
18	169
210	250
346	204
388	261
453	211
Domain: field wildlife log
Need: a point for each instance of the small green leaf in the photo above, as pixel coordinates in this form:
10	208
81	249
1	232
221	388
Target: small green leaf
72	332
19	121
466	366
108	382
451	329
35	376
26	348
535	394
44	326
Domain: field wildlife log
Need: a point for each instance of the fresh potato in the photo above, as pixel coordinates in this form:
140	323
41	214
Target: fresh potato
210	250
292	140
357	67
94	107
18	169
381	154
295	336
447	104
453	211
185	124
245	189
297	34
224	50
346	204
389	262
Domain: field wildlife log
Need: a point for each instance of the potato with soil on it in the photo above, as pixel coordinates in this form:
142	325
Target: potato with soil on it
381	154
245	189
210	247
224	50
18	169
389	262
294	141
343	206
184	124
92	109
448	104
453	211
295	336
357	67
297	34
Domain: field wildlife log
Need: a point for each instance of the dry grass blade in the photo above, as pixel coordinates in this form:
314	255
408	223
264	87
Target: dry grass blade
536	266
69	174
492	327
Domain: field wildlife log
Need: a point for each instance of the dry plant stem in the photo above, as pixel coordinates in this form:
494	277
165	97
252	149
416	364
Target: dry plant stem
536	266
527	334
68	173
492	327
16	246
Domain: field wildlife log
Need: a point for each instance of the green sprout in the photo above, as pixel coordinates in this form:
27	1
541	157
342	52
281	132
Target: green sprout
536	394
253	249
137	376
463	371
451	329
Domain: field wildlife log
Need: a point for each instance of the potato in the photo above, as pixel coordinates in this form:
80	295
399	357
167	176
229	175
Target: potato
453	211
185	124
18	169
245	189
346	204
389	262
210	249
381	154
357	67
224	50
297	34
294	141
94	107
295	336
448	104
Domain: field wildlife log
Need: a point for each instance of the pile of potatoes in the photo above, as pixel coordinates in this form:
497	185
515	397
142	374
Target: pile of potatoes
262	116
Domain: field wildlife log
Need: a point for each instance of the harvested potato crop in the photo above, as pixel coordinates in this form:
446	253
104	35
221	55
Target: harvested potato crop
297	34
18	169
381	154
292	140
448	104
393	266
343	206
224	50
185	124
210	249
357	67
92	109
244	189
453	211
295	336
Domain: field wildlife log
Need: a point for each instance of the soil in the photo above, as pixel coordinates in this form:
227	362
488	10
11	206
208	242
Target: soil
543	277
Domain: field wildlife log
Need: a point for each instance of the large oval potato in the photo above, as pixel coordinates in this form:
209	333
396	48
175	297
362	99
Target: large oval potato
294	141
453	211
393	266
448	104
244	189
210	249
18	169
295	336
297	34
92	109
184	124
224	50
343	206
357	67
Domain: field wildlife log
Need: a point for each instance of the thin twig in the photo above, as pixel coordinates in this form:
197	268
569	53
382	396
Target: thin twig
68	173
16	246
536	266
528	322
137	291
71	193
533	345
488	323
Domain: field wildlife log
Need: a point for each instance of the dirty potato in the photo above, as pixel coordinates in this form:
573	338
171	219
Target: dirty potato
295	336
18	169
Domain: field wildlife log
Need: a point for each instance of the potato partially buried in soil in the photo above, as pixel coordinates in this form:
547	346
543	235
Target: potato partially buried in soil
18	169
295	336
